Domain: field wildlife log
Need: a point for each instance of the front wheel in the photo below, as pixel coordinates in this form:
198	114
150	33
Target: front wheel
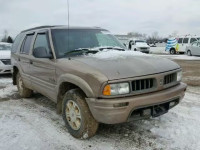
189	53
77	116
24	92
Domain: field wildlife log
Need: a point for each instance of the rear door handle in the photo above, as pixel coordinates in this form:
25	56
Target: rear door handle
18	59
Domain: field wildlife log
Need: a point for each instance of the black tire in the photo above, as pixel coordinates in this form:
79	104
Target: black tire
172	51
88	125
24	92
189	53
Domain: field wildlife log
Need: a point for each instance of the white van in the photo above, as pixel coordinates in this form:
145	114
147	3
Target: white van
184	41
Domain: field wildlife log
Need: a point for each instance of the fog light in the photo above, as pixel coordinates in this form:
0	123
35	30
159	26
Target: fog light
121	104
172	104
147	112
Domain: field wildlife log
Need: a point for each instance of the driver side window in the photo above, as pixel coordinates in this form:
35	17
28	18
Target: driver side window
42	41
194	44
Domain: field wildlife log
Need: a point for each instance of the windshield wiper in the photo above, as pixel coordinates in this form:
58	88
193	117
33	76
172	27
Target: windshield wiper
82	50
114	48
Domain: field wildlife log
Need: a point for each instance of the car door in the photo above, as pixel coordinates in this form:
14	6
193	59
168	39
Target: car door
184	44
180	42
194	48
198	49
43	69
24	59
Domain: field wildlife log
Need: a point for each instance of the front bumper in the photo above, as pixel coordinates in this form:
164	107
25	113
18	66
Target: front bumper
5	69
119	110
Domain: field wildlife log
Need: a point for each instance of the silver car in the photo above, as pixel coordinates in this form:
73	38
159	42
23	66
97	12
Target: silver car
5	54
193	49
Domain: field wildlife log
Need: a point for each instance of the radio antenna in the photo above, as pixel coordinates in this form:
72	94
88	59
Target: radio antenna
68	12
68	25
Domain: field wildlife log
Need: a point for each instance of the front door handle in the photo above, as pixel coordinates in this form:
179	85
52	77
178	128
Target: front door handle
18	59
31	62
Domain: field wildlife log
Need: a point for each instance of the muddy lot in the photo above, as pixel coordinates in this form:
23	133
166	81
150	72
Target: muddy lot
33	123
191	71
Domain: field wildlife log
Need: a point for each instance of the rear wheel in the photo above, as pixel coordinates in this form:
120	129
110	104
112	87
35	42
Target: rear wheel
189	53
24	92
172	51
77	116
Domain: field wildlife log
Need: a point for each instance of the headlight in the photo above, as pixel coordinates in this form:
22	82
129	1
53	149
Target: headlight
116	89
179	76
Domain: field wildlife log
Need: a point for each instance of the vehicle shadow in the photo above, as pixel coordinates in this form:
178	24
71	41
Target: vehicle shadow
132	134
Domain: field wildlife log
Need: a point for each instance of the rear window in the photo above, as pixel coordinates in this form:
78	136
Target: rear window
180	40
27	44
16	43
185	40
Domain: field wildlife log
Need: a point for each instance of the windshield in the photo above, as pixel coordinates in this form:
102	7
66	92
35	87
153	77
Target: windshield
140	41
5	47
82	39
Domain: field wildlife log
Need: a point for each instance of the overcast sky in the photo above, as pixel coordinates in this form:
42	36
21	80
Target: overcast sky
119	16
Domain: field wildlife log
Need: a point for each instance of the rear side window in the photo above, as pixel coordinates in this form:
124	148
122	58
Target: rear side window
185	40
192	40
42	41
180	40
27	44
16	43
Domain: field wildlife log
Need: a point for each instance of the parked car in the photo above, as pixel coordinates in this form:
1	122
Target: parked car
193	49
59	63
139	45
5	54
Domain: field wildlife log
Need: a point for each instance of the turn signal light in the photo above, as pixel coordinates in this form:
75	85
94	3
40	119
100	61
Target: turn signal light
107	90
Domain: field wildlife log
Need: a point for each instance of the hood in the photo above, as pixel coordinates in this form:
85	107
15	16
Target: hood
141	44
5	54
119	64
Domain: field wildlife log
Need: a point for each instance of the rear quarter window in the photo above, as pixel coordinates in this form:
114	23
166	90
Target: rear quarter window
26	46
17	43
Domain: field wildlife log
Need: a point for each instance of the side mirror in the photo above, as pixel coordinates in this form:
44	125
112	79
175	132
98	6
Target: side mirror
41	52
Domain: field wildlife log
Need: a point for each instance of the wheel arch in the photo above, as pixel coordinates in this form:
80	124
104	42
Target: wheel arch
172	48
188	50
68	82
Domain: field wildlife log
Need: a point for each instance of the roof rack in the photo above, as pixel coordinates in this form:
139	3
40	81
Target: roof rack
40	27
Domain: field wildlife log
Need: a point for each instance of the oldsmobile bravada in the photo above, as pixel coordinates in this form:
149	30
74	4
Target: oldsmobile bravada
59	63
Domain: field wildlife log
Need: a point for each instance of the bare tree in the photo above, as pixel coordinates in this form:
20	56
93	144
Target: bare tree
137	35
5	36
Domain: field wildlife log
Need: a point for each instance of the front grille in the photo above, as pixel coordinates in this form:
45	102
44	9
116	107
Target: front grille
143	48
169	78
6	61
143	84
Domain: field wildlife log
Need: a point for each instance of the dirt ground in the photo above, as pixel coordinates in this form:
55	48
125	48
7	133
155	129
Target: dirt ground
191	71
